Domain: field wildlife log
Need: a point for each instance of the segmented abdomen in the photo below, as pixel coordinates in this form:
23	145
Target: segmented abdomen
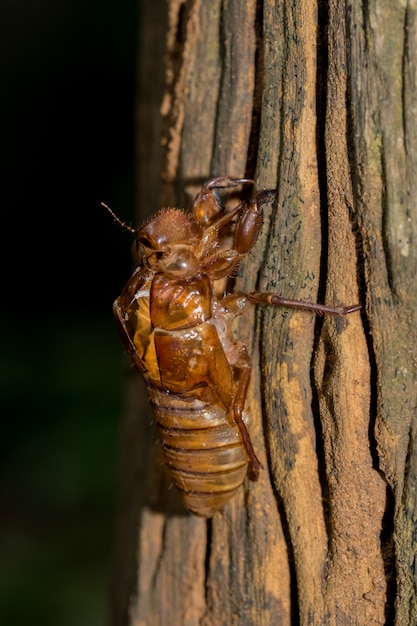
203	449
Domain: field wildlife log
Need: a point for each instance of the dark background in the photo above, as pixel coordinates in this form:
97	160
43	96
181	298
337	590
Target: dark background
68	82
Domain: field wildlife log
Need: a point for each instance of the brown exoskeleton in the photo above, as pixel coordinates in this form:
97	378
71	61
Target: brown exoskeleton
178	335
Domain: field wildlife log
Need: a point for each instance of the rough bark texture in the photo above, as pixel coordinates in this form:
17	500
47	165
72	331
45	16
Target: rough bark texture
318	101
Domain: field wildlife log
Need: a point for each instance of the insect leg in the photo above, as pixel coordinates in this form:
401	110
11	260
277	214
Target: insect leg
222	263
225	181
249	224
268	297
206	205
211	231
244	367
254	463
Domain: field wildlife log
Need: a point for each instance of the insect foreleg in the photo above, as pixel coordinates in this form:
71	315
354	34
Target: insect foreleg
249	224
211	233
206	205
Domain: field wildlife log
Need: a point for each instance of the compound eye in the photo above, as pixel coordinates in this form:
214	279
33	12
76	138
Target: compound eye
142	251
144	241
136	252
146	251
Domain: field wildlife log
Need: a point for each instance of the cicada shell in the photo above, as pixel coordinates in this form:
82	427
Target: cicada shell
177	330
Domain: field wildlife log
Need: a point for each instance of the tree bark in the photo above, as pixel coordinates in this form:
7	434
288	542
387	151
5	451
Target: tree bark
318	101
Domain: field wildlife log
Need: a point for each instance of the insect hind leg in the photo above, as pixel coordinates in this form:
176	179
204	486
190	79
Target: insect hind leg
239	402
273	299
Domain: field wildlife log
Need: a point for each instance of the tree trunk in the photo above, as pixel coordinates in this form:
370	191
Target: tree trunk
317	101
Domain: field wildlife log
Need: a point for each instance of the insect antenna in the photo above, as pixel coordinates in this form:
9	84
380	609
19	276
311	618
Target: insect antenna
118	220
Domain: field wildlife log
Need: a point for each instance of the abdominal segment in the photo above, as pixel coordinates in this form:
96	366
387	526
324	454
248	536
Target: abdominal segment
203	449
